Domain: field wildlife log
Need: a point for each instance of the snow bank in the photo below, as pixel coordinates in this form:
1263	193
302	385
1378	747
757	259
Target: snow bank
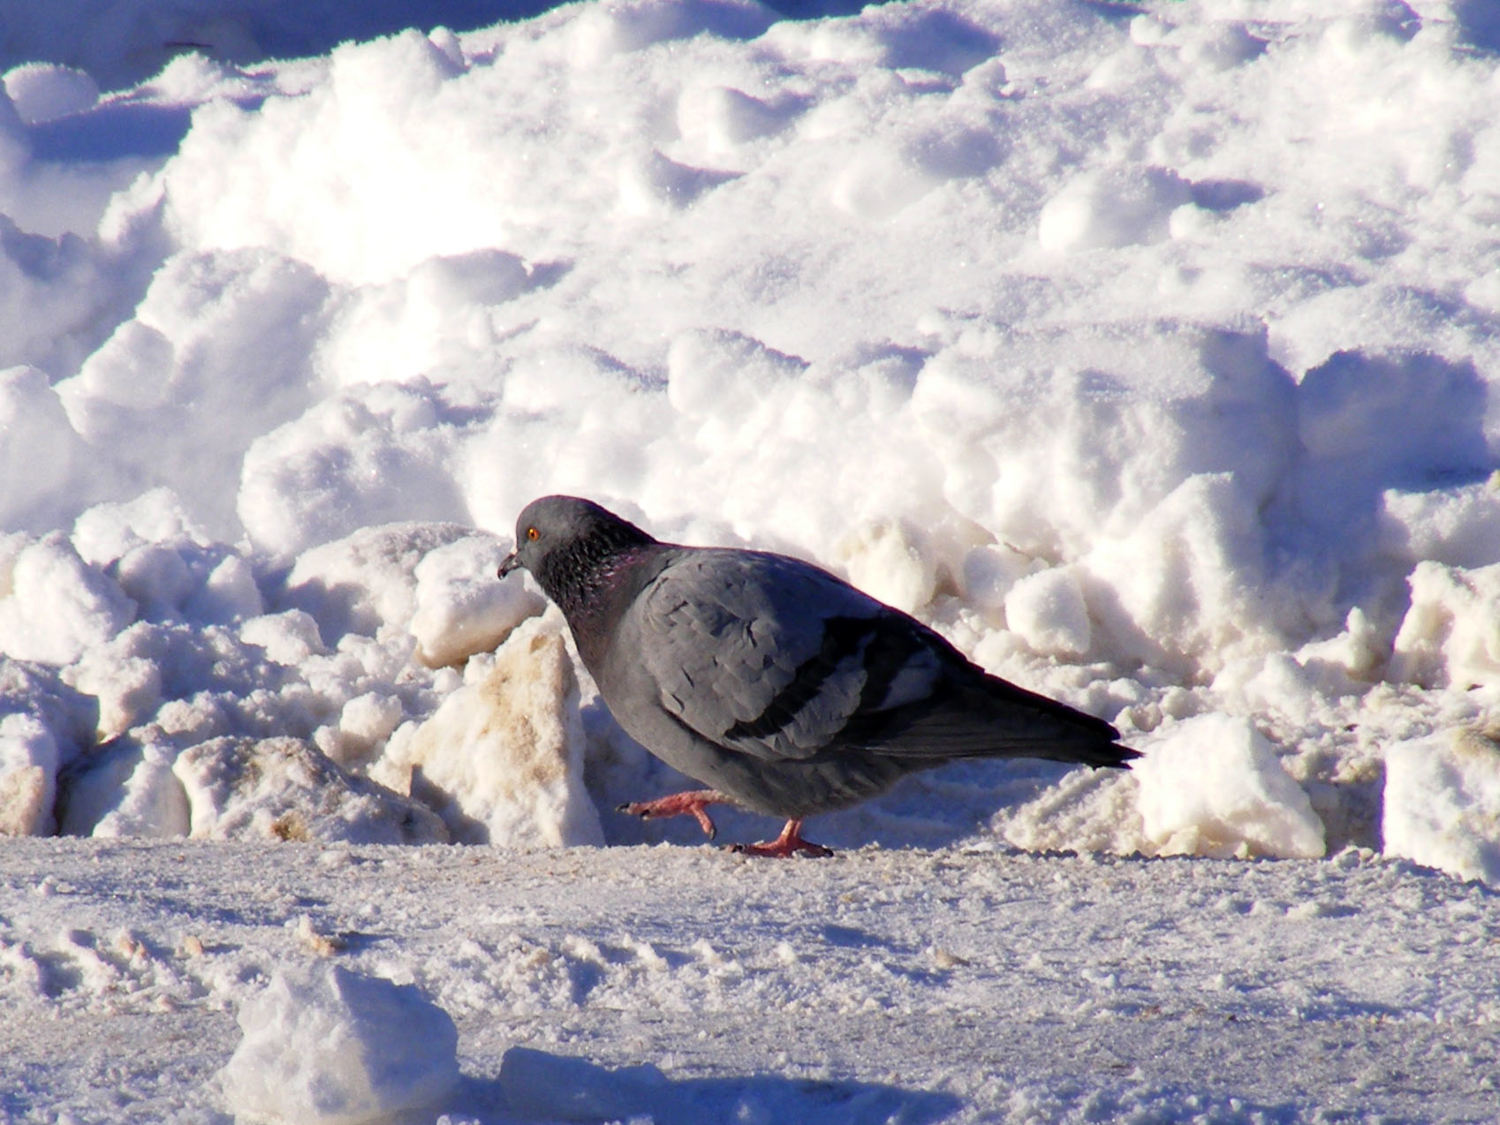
323	1045
1150	355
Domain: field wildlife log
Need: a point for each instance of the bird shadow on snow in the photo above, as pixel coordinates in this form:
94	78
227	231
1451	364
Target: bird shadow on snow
536	1086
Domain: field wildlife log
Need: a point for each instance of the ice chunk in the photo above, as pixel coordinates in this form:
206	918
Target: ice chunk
1442	803
1211	785
323	1045
502	759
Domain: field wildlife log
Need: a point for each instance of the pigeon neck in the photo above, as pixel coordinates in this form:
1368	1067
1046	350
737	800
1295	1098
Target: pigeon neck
592	585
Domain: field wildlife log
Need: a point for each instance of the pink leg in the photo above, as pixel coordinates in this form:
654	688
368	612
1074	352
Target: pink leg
693	803
789	843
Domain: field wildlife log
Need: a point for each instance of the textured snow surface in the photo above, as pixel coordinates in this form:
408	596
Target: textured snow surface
684	986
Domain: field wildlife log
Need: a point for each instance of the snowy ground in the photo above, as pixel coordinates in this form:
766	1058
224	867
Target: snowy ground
1150	352
957	986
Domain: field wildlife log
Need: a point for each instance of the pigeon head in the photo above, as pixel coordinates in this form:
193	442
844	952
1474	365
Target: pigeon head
569	545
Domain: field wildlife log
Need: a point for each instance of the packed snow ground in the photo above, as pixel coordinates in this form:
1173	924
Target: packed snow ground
155	982
1149	352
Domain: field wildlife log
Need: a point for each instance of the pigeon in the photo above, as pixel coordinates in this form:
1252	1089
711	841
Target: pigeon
780	687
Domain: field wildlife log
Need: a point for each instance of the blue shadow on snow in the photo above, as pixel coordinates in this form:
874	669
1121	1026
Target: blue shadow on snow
536	1085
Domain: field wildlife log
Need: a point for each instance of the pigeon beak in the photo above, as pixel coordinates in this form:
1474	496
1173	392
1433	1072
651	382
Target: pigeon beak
511	563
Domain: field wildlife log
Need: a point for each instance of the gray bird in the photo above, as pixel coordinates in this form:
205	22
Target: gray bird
782	688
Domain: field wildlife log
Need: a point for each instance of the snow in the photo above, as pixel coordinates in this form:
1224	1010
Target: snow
688	985
1145	351
328	1046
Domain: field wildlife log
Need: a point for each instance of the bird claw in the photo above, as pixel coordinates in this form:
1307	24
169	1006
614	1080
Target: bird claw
789	843
678	804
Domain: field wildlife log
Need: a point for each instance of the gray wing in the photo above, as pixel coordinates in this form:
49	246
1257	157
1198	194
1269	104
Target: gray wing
774	658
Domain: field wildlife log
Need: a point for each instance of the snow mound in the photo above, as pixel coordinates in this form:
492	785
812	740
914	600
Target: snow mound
323	1045
1211	785
1442	803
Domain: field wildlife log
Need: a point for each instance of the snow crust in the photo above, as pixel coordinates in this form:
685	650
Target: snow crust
1149	354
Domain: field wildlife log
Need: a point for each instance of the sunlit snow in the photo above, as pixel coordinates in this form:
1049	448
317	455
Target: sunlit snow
1146	351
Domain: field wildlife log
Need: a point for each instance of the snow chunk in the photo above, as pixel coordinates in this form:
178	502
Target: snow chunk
1451	633
124	675
42	692
888	560
282	788
462	607
324	1045
722	118
219	351
1048	611
45	92
724	375
1117	207
1460	527
1442	803
29	760
164	562
375	454
368	580
1212	786
53	606
502	758
129	792
41	455
288	638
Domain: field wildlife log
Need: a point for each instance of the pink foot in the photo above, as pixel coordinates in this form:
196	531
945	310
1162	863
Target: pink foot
789	843
693	803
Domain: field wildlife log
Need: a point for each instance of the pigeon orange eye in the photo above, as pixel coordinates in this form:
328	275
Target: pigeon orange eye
531	533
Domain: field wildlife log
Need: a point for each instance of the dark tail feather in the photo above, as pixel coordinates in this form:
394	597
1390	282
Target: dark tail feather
992	718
